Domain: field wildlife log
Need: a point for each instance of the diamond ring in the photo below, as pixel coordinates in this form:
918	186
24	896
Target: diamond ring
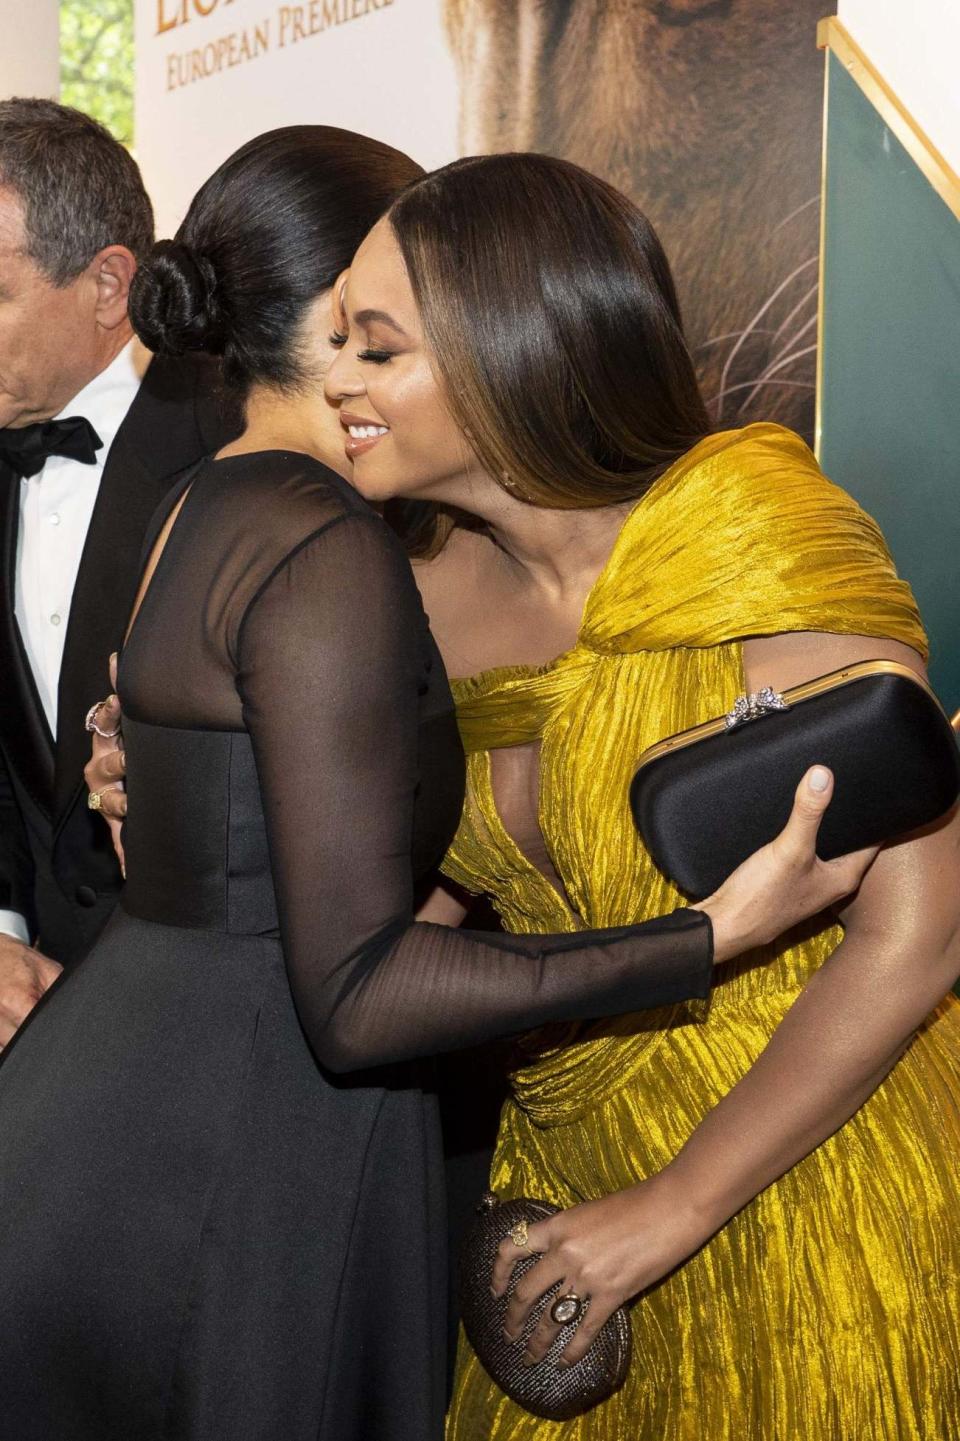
91	725
566	1309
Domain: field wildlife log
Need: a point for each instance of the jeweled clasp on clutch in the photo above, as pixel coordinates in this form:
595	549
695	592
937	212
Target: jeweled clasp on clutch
752	707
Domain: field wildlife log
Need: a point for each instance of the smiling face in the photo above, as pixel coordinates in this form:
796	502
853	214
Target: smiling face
397	428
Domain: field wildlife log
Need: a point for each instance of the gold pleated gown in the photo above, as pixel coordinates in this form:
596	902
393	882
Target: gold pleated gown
829	1308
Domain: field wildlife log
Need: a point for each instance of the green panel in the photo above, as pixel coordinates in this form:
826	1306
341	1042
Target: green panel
890	406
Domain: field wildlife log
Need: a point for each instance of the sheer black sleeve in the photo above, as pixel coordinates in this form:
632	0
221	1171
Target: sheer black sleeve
330	664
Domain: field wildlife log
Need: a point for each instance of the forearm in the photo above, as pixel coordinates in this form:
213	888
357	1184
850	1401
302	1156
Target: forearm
837	1043
431	988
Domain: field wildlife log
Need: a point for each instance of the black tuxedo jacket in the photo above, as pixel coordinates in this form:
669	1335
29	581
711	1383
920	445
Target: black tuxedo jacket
57	865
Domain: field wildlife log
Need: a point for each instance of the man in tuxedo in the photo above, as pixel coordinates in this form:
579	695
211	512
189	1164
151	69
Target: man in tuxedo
92	434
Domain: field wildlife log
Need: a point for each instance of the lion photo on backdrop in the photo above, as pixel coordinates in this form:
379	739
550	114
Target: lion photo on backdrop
708	114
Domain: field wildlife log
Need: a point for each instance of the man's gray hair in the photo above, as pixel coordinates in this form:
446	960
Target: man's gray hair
80	189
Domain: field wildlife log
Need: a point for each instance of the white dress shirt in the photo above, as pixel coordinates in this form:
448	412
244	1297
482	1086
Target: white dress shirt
56	506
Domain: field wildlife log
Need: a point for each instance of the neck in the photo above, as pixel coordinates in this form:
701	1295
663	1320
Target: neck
114	342
109	346
275	421
561	552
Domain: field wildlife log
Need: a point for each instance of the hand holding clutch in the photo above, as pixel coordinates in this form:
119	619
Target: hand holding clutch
785	881
602	1253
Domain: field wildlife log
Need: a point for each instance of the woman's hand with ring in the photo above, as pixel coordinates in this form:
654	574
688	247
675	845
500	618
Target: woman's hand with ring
603	1253
105	772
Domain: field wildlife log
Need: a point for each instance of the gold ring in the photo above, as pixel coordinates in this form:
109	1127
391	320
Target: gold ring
95	800
518	1234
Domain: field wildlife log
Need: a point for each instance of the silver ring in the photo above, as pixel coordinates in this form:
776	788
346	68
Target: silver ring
91	722
566	1309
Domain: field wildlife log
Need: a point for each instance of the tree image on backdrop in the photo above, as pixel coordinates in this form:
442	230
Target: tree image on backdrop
708	114
96	61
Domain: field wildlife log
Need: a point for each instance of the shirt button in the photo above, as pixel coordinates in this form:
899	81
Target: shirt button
54	519
55	619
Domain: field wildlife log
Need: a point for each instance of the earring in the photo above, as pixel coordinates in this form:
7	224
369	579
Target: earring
510	485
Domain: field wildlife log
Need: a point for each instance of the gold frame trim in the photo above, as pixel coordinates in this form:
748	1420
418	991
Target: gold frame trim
833	681
832	35
821	267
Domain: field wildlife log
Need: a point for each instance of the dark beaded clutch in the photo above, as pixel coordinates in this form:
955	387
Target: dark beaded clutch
556	1393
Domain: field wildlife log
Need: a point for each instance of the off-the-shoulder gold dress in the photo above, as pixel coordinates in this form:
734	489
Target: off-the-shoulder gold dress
829	1308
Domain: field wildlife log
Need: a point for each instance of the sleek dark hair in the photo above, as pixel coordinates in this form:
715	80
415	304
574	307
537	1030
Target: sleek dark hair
268	232
551	312
80	189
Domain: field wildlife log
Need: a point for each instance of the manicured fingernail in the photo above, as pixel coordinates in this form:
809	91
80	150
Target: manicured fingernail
819	779
528	1359
563	1364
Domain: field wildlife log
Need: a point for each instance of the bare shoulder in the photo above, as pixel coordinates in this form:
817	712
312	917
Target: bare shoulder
792	658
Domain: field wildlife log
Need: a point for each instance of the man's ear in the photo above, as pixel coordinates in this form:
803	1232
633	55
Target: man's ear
112	271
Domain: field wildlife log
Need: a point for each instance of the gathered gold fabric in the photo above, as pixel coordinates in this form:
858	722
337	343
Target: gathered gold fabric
829	1308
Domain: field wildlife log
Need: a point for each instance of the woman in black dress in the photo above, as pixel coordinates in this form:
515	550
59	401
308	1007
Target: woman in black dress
208	1231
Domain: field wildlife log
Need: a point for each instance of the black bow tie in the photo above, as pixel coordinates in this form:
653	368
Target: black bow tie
27	450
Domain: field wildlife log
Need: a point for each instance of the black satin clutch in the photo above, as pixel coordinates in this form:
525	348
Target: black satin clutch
706	799
557	1393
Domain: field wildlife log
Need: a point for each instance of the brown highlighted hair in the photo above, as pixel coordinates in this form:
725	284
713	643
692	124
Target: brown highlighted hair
551	312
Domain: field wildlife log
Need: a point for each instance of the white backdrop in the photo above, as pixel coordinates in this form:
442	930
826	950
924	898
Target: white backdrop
29	47
916	48
213	73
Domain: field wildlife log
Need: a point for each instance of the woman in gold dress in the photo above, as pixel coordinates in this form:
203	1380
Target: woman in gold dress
775	1180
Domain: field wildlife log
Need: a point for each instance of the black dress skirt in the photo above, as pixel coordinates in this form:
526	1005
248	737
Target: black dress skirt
221	1208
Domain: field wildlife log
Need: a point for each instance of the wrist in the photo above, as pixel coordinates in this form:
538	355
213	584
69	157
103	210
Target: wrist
724	940
701	1192
691	1221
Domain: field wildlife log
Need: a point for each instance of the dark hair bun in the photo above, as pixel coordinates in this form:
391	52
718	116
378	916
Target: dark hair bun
175	301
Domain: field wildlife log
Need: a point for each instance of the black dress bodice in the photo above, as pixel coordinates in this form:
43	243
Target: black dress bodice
196	842
199	859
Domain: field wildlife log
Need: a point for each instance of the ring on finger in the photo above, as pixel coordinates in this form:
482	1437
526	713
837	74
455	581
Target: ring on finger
566	1309
518	1235
95	798
90	724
